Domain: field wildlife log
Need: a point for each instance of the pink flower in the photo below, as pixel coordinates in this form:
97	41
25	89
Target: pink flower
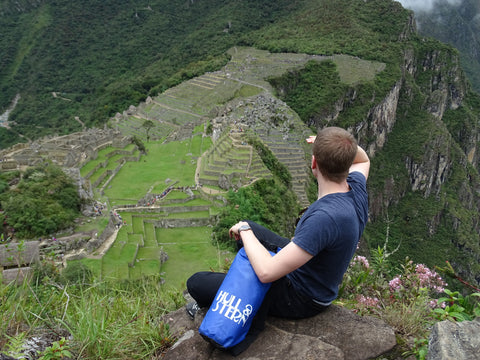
396	284
361	260
429	279
368	301
434	304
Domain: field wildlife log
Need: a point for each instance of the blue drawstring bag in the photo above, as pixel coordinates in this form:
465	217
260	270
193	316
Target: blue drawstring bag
237	301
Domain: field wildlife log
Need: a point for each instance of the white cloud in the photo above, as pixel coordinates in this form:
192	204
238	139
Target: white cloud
425	5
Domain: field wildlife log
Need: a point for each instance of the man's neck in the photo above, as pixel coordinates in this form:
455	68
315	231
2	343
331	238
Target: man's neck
326	187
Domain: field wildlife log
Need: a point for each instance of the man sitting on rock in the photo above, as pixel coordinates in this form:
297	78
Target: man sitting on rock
307	271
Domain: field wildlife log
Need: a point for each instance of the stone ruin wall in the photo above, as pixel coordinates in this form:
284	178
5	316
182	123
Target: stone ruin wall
71	150
16	260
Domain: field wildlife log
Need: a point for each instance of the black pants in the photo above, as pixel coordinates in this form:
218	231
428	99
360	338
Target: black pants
281	300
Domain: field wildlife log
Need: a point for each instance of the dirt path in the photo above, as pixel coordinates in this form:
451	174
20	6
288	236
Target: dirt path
105	246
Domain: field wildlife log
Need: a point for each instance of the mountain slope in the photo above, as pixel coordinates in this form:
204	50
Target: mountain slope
102	56
418	118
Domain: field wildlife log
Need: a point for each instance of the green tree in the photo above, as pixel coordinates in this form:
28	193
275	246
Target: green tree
45	201
267	202
140	145
148	125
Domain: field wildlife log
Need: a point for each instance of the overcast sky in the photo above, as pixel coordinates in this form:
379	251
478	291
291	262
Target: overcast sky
425	5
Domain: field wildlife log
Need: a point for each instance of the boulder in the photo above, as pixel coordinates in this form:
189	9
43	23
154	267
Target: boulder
455	340
337	333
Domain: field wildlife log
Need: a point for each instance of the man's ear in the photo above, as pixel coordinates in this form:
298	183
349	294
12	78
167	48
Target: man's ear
314	162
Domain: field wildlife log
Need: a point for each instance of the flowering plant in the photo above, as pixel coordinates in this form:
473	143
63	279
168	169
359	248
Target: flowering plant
416	280
456	307
408	301
405	300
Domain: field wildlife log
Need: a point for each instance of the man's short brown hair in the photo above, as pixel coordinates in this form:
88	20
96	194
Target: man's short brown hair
334	150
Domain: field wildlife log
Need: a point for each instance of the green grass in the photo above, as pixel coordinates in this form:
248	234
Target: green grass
164	161
101	157
135	239
189	250
194	202
98	223
149	237
93	264
144	267
353	70
248	90
98	316
137	225
189	214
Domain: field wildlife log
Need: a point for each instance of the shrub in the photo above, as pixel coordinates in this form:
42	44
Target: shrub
76	273
45	201
405	300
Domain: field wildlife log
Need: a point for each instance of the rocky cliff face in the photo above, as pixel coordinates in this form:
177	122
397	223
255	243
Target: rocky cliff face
381	120
444	158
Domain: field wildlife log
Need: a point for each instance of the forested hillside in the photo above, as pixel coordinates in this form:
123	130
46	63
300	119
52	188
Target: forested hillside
91	59
77	64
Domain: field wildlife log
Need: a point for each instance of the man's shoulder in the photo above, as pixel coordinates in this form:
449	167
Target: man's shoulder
356	175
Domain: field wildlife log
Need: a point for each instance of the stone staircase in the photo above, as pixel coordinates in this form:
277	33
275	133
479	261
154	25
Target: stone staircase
290	153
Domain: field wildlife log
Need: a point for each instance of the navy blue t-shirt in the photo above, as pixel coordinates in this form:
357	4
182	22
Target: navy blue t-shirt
330	230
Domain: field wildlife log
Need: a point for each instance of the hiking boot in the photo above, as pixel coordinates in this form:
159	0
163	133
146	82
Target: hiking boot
192	308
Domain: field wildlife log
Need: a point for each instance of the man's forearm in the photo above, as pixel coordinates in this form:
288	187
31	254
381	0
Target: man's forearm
361	162
361	156
257	254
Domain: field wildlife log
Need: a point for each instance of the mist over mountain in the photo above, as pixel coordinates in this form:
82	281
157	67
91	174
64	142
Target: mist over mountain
427	5
455	22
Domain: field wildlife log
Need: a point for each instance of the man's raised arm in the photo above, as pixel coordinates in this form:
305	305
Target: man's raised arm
361	162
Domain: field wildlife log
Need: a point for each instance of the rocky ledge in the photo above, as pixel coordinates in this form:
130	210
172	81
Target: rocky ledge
335	334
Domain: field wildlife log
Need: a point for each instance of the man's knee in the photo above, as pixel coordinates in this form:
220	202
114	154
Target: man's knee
194	282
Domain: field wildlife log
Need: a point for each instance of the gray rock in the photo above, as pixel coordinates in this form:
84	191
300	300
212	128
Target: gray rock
334	334
455	340
359	337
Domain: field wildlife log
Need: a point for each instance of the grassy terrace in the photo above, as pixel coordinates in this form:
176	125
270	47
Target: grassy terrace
194	202
172	161
188	249
139	244
353	70
103	155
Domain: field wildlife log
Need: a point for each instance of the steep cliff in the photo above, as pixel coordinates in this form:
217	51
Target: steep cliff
442	165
